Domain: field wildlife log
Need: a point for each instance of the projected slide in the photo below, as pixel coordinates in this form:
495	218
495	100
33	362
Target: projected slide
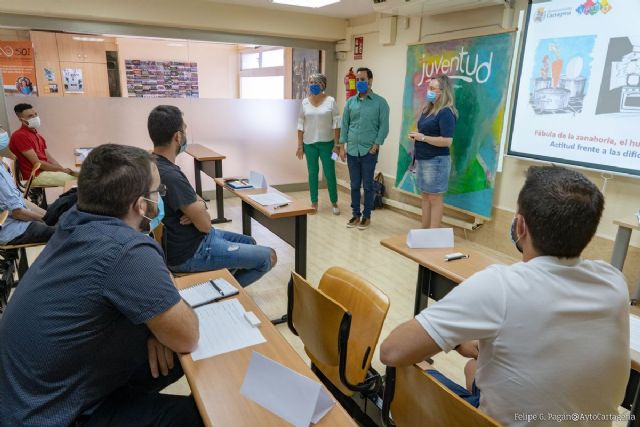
578	92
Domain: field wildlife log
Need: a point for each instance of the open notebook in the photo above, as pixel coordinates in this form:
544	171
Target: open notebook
206	292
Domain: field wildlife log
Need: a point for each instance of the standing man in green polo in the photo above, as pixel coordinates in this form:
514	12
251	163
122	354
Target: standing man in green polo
365	125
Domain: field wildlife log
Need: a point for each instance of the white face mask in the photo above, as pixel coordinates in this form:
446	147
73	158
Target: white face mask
34	122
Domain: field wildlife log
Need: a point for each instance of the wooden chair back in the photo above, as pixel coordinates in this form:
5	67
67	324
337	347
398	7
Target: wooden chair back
317	320
34	171
417	399
3	217
368	307
158	233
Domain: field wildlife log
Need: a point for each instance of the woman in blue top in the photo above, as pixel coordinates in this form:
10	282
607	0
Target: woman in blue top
432	140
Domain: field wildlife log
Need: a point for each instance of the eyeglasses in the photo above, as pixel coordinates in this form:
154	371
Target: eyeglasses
162	190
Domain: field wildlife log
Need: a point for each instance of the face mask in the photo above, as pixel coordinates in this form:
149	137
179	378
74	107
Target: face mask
183	144
315	89
34	122
25	90
362	86
155	221
4	140
514	237
431	96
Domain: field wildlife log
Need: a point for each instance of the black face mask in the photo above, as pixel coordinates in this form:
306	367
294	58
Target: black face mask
514	237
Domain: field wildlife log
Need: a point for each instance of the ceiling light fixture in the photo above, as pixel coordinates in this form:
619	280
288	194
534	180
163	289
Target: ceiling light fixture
306	3
88	39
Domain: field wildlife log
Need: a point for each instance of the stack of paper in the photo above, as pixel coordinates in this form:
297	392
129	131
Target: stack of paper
268	199
430	238
224	328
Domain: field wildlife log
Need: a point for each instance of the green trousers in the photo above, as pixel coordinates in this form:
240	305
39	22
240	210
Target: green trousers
322	151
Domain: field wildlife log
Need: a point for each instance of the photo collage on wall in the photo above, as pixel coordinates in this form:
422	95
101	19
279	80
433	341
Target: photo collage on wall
161	79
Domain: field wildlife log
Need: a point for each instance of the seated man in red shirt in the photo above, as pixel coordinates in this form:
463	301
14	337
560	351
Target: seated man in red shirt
30	147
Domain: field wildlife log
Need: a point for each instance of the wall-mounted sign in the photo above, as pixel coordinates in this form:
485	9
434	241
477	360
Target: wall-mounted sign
358	47
18	69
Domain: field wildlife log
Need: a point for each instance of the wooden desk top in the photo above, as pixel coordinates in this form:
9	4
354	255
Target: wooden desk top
215	382
294	208
630	221
458	270
70	184
201	152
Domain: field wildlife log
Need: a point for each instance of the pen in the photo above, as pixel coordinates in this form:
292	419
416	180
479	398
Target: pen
216	287
281	206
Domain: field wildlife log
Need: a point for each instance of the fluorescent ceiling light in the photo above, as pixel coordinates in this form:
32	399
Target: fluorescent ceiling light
306	3
176	44
88	39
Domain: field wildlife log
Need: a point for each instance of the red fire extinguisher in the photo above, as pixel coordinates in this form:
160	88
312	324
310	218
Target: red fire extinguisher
350	83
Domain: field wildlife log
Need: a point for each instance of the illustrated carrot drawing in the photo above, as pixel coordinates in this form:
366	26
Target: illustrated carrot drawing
556	66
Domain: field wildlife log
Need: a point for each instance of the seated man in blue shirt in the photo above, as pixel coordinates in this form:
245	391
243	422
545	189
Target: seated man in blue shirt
191	243
88	338
24	223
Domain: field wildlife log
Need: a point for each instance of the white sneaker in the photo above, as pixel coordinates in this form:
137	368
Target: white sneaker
335	210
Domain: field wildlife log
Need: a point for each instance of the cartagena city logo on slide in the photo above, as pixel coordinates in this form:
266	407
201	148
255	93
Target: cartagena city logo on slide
541	13
591	7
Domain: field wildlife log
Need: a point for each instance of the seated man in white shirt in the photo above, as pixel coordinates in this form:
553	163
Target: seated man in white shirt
551	332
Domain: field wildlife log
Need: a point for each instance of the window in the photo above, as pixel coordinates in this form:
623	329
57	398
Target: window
262	73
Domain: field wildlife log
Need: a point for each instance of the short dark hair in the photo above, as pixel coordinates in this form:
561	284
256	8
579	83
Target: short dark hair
369	72
19	108
561	209
163	122
112	178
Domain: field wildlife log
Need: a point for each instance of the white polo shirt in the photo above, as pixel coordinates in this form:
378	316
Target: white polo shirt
318	122
554	338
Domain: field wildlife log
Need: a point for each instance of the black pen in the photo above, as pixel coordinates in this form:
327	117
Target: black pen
216	287
281	206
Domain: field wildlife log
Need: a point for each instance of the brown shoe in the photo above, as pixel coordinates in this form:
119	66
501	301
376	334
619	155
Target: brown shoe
364	224
354	221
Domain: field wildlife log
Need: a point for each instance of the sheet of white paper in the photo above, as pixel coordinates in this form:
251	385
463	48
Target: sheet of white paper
430	238
257	180
284	392
268	199
634	332
223	328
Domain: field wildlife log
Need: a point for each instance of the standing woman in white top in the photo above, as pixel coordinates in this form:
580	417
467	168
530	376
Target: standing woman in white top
318	131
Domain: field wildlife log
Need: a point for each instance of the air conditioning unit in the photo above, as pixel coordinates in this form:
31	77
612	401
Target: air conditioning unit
430	7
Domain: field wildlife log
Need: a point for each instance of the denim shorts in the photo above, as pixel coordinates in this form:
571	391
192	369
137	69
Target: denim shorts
472	398
432	175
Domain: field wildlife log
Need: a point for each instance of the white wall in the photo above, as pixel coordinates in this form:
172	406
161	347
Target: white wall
217	62
388	64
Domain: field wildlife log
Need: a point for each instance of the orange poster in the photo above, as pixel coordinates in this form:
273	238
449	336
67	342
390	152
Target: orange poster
17	66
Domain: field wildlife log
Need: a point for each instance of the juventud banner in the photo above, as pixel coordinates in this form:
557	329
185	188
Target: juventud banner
479	70
17	66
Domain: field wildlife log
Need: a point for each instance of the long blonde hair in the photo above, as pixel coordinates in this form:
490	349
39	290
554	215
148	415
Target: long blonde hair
445	100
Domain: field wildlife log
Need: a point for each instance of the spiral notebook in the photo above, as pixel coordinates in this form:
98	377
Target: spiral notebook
207	292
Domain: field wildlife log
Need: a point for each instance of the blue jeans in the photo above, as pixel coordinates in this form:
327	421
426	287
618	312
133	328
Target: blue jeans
472	398
224	249
361	170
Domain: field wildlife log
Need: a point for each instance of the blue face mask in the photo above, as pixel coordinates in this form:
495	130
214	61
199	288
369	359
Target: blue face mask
315	89
183	144
362	86
431	96
156	220
4	140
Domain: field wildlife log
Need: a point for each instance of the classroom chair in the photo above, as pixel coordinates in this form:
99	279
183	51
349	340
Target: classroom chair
415	399
13	258
36	194
339	323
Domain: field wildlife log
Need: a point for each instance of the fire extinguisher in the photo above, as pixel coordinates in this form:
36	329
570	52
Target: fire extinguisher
350	83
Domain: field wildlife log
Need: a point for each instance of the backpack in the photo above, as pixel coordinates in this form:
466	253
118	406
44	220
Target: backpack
378	191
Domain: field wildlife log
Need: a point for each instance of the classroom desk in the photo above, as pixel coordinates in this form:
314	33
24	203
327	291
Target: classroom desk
437	277
289	223
215	382
621	245
209	162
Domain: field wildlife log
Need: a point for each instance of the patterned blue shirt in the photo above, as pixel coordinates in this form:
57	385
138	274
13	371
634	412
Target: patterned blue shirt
10	199
74	330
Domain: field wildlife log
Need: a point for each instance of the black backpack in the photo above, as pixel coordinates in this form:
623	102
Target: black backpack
378	191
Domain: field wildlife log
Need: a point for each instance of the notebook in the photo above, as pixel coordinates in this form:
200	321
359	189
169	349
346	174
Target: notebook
238	184
206	292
